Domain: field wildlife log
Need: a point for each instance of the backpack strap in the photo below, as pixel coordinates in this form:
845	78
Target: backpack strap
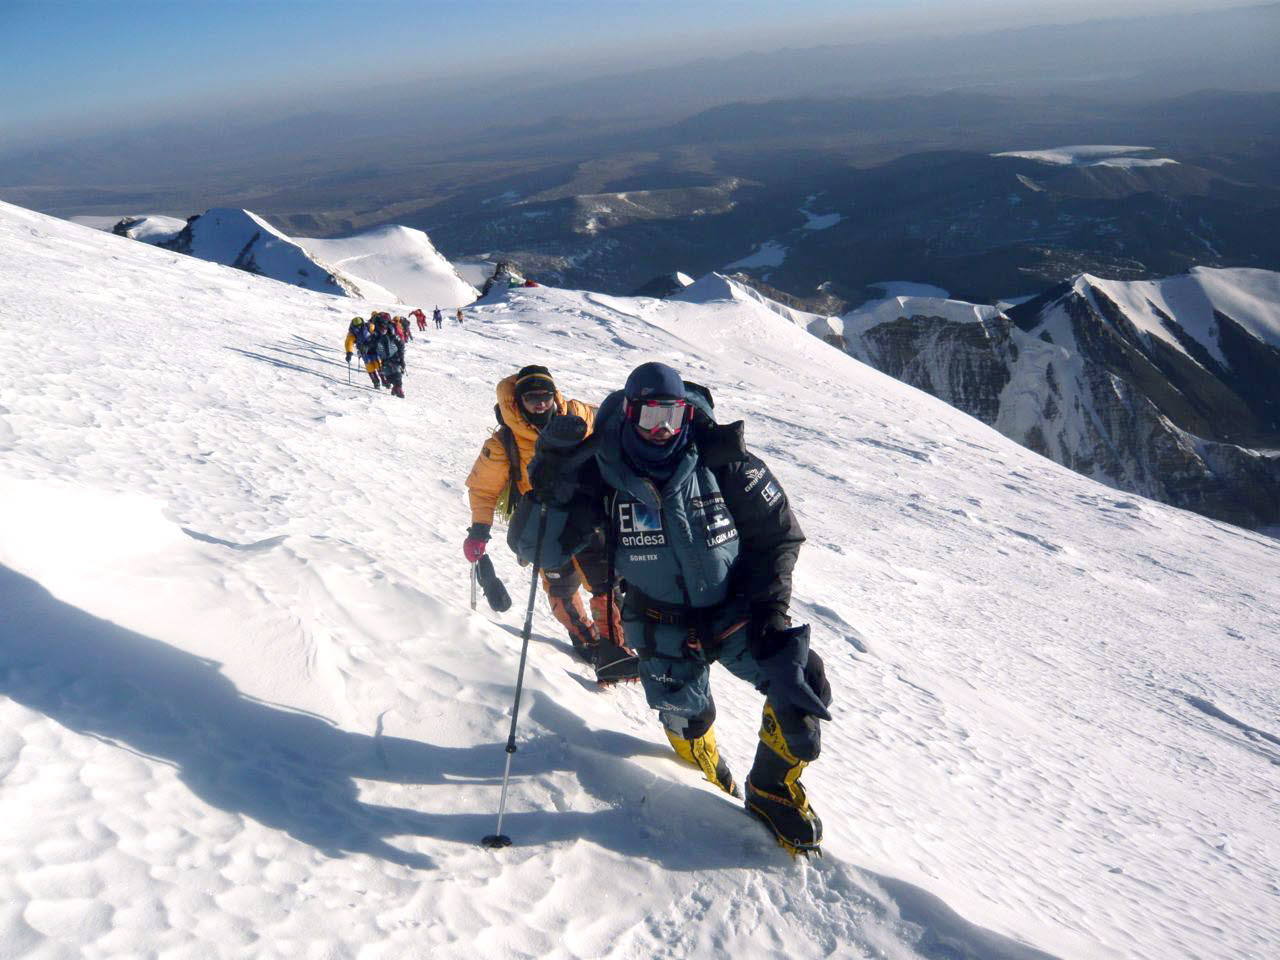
508	440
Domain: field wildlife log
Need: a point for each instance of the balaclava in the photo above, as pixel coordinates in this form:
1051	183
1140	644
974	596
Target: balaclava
654	381
528	380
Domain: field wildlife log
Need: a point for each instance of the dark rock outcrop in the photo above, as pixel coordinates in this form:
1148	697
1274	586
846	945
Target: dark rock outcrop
1135	401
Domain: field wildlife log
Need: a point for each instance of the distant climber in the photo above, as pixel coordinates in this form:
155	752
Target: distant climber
363	343
389	354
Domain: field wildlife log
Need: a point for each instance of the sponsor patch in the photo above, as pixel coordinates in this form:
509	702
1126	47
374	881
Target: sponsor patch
771	493
640	525
754	476
716	518
724	536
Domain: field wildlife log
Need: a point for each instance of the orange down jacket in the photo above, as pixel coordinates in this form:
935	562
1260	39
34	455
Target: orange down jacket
491	472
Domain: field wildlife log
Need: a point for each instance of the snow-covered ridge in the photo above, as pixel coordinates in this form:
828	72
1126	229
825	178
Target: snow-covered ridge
400	259
242	239
1090	155
390	264
1164	388
1249	297
715	287
876	312
150	229
245	709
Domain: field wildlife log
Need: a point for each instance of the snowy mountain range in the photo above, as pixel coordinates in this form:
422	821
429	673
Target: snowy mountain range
246	710
1164	388
391	264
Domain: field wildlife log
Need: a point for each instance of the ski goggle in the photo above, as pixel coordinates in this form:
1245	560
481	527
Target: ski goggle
659	419
537	400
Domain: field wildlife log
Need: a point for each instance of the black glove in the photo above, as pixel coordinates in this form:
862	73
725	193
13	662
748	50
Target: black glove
767	629
784	672
479	531
348	356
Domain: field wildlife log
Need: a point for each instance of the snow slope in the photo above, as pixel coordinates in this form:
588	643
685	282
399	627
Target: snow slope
150	229
876	312
717	288
241	238
247	711
1090	155
1250	297
767	254
399	259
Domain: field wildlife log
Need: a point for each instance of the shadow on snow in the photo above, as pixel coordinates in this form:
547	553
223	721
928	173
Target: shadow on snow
296	772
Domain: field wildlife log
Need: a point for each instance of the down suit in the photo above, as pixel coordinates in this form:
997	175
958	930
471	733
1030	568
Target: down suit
499	478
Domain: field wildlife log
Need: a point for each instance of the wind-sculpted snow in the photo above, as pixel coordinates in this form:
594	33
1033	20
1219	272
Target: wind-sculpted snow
247	711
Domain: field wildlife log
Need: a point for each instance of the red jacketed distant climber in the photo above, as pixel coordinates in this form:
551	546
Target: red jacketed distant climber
421	317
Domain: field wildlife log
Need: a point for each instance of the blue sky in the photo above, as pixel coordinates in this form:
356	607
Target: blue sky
67	64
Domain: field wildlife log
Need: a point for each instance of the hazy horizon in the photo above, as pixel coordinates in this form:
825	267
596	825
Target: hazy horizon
82	69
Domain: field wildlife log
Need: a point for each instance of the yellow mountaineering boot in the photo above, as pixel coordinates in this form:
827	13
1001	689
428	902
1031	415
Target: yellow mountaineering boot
704	755
774	793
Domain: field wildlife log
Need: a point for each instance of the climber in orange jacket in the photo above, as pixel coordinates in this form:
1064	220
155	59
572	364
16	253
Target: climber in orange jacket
527	401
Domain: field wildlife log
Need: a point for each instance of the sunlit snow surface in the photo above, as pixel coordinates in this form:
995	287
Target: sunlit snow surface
768	254
1249	297
399	259
1091	155
247	711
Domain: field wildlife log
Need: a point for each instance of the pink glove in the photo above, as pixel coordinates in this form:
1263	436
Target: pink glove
473	548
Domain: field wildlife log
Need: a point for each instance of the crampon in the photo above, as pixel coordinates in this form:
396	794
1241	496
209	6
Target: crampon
796	827
615	664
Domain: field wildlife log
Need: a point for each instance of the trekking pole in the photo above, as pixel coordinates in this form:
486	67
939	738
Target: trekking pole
473	586
348	371
498	839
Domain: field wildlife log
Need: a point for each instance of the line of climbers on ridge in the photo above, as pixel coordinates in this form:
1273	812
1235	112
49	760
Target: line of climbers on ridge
686	543
380	343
